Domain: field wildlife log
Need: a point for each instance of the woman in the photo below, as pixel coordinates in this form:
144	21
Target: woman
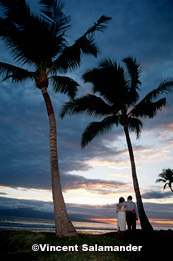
121	223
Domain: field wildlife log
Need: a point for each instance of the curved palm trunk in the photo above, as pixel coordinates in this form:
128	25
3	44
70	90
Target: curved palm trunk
63	224
170	185
145	224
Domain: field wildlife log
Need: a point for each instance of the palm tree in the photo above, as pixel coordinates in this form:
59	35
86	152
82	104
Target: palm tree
167	178
117	102
39	41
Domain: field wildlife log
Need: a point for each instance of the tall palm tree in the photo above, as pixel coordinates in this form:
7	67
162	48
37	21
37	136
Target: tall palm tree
118	102
38	41
166	177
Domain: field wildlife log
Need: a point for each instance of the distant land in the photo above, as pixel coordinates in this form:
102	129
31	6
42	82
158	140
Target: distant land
30	213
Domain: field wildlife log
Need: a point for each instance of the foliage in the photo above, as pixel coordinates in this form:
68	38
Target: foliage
118	99
39	41
166	177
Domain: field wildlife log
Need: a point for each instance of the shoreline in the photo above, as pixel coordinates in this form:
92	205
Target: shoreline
47	225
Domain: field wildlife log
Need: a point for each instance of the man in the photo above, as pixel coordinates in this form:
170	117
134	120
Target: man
131	214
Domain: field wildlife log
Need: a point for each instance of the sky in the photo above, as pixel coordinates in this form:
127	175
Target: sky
92	179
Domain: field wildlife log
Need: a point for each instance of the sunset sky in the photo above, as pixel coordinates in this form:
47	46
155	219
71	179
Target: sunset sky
93	179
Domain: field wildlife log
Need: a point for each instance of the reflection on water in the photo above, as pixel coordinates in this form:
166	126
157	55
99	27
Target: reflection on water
46	225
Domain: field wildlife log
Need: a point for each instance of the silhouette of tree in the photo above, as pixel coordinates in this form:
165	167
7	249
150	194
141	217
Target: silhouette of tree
166	177
118	91
38	41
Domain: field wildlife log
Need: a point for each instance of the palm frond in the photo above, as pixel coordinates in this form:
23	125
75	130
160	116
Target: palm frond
52	13
16	14
160	180
134	71
40	39
108	80
89	104
99	25
65	85
71	55
29	37
96	128
51	8
133	74
135	125
164	87
146	108
108	64
15	10
88	46
167	174
17	74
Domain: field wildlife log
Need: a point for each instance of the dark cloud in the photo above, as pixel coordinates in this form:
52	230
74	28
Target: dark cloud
157	195
154	210
13	203
24	139
25	145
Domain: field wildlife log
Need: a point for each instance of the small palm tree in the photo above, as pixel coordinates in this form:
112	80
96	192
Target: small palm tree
166	177
118	104
39	41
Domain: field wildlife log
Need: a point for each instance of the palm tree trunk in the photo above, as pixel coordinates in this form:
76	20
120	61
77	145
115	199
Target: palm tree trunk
145	224
63	224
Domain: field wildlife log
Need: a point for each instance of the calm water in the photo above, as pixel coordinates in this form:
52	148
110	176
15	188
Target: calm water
46	225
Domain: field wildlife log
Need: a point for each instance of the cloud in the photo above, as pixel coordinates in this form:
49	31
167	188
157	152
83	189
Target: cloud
25	143
98	186
154	210
157	195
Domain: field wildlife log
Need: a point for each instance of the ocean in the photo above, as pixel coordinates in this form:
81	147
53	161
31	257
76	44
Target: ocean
47	225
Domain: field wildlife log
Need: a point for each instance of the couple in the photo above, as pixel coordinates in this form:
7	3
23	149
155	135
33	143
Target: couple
127	211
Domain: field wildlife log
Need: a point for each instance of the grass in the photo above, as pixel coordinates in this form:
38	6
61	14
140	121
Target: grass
17	245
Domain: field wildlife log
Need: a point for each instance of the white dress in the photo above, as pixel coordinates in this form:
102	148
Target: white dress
121	210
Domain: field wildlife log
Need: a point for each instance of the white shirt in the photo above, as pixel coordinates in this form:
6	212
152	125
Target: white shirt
130	205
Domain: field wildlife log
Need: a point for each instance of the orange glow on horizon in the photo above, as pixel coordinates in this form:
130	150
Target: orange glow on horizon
163	222
105	220
154	221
